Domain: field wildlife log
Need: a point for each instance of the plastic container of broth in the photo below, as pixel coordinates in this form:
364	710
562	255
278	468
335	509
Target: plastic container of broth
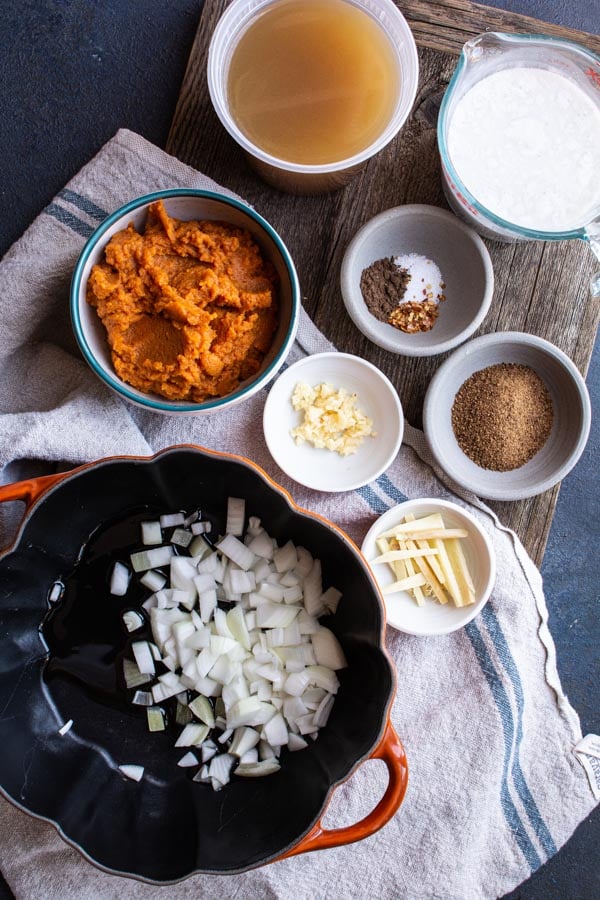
311	91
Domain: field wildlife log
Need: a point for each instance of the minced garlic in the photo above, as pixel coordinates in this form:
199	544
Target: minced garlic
331	419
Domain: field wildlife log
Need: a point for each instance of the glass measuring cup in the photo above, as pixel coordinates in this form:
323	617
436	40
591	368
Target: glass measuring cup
485	55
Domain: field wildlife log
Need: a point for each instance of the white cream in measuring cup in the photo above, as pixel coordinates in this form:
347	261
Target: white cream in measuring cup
519	137
526	143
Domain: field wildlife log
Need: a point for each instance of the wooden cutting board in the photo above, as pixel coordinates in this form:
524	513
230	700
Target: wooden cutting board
539	288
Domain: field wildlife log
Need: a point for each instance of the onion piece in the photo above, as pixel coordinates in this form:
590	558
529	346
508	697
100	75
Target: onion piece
192	735
181	537
296	742
328	650
172	519
257	770
143	698
201	528
135	773
56	592
151	533
132	620
143	657
66	727
132	675
236	512
188	760
153	580
285	558
236	551
119	579
151	559
156	718
275	731
202	709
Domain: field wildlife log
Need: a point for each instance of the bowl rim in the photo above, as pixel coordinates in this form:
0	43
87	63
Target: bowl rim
151	401
353	298
35	490
469	612
436	391
392	393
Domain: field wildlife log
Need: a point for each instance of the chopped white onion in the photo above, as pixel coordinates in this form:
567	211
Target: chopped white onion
119	580
132	619
181	537
172	519
188	760
262	670
151	533
236	512
328	650
143	657
151	559
236	551
56	592
257	770
143	698
154	581
135	773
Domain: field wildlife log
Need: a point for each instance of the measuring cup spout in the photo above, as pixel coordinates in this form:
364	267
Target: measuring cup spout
592	235
483	45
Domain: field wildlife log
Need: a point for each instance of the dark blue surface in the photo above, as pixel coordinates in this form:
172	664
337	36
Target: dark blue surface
71	73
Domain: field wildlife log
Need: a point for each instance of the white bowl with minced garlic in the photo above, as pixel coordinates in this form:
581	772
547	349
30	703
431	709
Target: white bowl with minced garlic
434	563
333	422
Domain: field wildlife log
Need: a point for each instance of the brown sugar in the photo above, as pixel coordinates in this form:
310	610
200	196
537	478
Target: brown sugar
502	416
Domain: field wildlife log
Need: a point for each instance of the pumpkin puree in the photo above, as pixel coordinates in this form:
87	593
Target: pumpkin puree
190	308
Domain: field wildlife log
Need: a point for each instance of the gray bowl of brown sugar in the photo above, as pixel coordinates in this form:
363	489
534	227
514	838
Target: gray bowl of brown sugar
507	416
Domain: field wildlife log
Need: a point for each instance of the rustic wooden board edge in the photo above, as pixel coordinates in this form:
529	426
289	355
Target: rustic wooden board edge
447	24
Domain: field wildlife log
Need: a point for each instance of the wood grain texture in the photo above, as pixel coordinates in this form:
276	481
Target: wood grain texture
539	288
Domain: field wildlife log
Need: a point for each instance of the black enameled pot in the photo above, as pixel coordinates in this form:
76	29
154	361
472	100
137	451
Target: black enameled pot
61	661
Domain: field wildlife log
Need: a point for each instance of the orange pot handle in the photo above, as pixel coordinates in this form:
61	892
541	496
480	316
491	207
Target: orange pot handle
391	751
29	490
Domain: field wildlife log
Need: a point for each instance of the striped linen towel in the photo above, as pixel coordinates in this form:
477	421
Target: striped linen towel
495	788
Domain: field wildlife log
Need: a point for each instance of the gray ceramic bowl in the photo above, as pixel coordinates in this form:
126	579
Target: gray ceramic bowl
461	257
570	426
185	204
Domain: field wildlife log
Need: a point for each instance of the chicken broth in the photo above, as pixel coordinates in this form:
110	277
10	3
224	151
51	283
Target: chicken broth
313	82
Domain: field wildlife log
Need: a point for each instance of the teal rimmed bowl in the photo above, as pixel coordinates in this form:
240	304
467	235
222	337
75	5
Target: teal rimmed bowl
186	204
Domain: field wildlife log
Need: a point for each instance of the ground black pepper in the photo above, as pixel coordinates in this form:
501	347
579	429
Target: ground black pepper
383	285
502	416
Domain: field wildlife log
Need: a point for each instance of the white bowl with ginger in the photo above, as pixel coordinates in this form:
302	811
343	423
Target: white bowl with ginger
333	422
434	563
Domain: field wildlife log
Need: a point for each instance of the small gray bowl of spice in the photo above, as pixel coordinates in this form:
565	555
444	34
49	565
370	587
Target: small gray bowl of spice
507	416
416	280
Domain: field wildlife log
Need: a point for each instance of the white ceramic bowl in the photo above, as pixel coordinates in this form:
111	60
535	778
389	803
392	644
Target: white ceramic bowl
185	204
326	470
434	618
570	427
457	250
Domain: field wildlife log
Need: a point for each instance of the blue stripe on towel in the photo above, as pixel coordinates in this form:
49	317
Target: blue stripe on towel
499	694
387	485
507	660
68	219
374	501
87	206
